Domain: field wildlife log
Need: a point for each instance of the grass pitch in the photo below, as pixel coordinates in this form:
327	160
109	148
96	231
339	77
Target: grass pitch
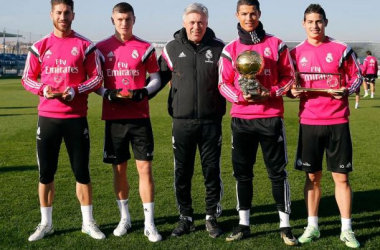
19	205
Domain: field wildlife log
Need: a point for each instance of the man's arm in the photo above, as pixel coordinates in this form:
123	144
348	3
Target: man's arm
286	72
352	70
94	72
165	75
31	72
226	80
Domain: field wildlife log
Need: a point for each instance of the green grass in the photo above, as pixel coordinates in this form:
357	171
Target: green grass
19	206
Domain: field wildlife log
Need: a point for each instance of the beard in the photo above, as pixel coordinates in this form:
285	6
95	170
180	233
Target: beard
60	27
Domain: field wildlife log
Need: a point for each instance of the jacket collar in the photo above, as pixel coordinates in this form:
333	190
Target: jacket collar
252	37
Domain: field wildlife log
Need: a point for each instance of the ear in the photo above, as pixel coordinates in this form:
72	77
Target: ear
113	22
327	21
73	15
51	15
134	19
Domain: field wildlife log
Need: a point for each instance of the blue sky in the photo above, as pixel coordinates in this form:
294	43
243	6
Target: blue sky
349	20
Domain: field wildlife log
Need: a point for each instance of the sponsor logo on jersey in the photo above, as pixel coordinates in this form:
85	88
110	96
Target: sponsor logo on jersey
110	56
182	55
48	53
74	51
329	58
267	52
135	54
303	61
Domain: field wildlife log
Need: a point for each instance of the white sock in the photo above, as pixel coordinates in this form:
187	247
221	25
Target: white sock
149	214
208	216
244	217
346	224
87	214
284	219
46	216
312	221
366	91
124	209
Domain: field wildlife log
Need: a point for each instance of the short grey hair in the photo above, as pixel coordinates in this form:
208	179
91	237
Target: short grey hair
195	8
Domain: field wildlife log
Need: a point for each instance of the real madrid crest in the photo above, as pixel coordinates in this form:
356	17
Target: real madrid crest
135	54
74	51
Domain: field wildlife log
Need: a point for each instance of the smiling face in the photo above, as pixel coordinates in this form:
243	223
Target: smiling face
195	25
62	16
315	25
248	16
123	24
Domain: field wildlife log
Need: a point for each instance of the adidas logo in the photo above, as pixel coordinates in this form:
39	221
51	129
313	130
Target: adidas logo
304	60
280	139
85	131
111	54
182	55
48	52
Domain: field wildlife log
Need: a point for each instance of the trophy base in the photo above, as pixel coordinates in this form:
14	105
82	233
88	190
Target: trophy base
336	91
57	94
128	96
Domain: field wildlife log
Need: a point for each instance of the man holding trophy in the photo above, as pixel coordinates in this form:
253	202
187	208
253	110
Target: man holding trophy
255	71
328	72
68	66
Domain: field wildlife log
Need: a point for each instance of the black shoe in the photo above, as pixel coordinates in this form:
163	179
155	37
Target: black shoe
185	226
212	227
288	237
239	233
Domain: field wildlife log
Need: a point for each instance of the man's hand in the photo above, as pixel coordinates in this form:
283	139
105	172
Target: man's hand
68	94
138	94
338	95
111	94
47	92
261	97
298	93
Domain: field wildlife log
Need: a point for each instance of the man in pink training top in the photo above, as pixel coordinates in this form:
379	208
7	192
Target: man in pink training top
258	120
126	61
324	121
69	67
370	69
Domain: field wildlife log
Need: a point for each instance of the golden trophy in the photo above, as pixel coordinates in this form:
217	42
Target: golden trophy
249	63
319	82
58	85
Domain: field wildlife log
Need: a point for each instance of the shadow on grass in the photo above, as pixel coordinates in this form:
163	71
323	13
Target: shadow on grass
27	107
265	214
17	169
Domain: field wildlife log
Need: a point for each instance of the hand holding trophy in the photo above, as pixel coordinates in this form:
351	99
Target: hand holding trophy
249	63
312	82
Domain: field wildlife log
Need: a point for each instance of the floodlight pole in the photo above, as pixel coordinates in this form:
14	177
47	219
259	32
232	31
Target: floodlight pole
4	42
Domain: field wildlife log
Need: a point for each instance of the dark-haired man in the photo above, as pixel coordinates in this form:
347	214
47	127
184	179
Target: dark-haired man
126	61
258	119
324	121
69	67
370	69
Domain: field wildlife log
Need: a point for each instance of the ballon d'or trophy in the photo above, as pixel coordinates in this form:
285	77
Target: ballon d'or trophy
249	63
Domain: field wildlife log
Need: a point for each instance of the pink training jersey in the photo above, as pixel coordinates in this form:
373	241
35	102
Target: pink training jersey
370	66
126	65
331	56
277	76
72	61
